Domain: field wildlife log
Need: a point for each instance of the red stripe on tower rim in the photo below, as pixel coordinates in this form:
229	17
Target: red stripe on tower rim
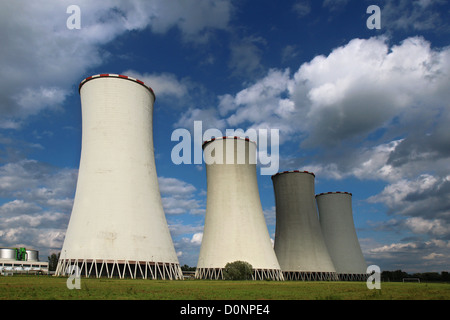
293	171
226	137
118	76
333	192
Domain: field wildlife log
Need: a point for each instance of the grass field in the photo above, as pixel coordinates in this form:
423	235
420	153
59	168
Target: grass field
54	288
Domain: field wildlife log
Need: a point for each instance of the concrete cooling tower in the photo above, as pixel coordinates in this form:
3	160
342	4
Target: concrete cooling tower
336	220
117	227
299	244
235	228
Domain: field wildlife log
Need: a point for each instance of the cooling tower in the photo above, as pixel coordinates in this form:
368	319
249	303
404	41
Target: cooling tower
117	227
299	244
336	220
235	228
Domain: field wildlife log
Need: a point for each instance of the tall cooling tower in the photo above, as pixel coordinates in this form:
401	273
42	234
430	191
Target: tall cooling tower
117	227
235	228
299	244
336	220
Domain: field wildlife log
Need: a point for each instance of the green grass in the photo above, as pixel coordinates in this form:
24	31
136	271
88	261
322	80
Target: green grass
54	288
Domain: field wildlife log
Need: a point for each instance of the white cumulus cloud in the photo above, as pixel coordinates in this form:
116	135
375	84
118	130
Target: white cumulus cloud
42	58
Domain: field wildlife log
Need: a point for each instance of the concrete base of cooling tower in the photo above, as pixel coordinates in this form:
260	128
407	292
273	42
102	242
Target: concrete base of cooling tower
310	276
323	276
353	276
100	268
258	274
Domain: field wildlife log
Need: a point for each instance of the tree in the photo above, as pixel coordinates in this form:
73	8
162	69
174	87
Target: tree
238	270
53	261
187	268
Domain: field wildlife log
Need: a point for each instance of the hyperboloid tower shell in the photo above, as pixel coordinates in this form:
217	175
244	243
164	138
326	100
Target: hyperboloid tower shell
235	228
117	227
336	220
299	244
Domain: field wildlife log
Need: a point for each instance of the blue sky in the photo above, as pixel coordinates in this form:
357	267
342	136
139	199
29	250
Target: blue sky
366	110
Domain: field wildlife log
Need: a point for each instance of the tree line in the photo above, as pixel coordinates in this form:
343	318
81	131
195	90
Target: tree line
399	275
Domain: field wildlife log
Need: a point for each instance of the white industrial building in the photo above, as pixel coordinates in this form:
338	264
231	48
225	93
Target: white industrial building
336	221
21	260
299	243
117	226
235	228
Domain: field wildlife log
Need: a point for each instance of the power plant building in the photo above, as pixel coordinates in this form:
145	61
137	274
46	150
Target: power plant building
235	227
117	226
21	260
336	221
299	243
